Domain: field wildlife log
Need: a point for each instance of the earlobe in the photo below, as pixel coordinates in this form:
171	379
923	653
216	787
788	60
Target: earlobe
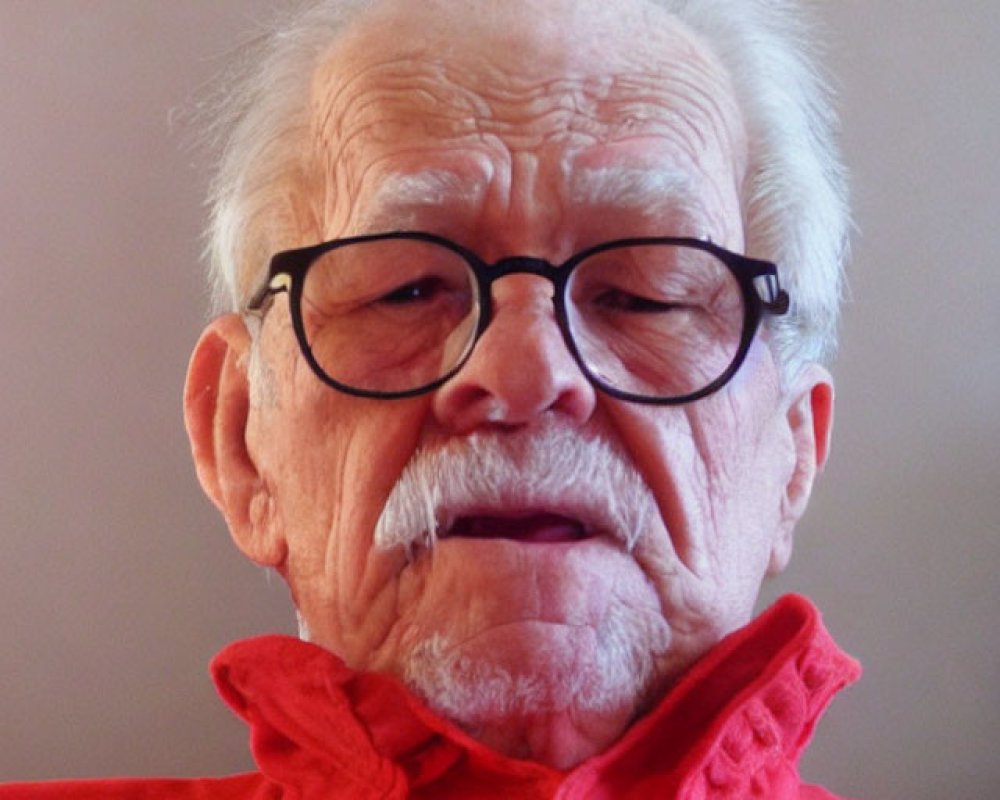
809	417
216	409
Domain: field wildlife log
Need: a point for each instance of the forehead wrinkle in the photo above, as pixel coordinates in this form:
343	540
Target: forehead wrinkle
713	113
375	104
480	103
694	103
378	101
591	108
484	101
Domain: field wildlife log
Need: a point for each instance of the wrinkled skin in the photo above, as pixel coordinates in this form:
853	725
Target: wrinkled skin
517	110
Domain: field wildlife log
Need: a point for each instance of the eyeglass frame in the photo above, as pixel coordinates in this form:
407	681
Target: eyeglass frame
287	272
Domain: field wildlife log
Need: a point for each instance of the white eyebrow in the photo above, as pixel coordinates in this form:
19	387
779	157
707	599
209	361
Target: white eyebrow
646	192
399	197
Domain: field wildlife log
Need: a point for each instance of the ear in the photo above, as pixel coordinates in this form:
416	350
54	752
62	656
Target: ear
216	408
809	417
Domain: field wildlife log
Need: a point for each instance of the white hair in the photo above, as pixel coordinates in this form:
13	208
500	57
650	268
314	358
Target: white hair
795	197
258	122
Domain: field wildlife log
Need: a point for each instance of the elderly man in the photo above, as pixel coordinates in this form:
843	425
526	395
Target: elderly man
515	398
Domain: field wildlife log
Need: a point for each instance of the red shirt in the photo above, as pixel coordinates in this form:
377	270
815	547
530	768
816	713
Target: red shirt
733	727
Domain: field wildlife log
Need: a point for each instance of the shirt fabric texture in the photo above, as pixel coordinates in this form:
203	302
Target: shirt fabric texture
734	726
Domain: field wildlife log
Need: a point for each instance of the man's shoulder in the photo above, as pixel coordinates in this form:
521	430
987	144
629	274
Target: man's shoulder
250	786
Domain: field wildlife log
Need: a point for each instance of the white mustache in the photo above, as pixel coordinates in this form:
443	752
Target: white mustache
554	469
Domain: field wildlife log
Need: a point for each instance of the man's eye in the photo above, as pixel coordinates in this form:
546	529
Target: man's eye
618	300
422	290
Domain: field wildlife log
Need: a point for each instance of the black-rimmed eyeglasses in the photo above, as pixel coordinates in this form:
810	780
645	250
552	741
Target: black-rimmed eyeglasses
652	320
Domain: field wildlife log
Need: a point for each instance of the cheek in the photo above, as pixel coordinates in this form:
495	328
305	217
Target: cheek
716	466
328	458
739	430
329	461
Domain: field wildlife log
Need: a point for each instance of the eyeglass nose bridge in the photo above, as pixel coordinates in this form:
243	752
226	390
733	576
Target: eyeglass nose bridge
529	265
556	274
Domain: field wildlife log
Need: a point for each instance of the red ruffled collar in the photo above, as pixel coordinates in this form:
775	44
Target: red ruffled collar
734	726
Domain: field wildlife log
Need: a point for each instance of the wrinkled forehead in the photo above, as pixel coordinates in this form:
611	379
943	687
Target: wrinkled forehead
559	79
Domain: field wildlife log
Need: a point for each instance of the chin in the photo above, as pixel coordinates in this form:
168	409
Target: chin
555	693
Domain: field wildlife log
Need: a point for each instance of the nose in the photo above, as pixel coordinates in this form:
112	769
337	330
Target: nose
520	369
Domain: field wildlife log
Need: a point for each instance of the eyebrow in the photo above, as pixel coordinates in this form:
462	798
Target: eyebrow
402	200
642	191
400	197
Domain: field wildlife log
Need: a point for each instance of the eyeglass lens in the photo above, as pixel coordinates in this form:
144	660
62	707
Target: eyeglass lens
655	320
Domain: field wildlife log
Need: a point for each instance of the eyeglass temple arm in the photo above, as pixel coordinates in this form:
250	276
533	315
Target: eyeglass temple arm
779	305
279	283
774	299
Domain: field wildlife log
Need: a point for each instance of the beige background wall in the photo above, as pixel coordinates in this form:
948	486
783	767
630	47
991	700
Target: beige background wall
117	580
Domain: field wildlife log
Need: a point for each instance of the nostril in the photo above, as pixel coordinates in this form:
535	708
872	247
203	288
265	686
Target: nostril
462	406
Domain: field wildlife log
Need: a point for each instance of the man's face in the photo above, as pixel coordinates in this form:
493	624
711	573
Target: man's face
538	129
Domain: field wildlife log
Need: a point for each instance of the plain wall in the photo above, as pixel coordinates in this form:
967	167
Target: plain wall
117	578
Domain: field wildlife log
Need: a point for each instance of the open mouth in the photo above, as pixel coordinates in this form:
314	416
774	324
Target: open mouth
541	527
